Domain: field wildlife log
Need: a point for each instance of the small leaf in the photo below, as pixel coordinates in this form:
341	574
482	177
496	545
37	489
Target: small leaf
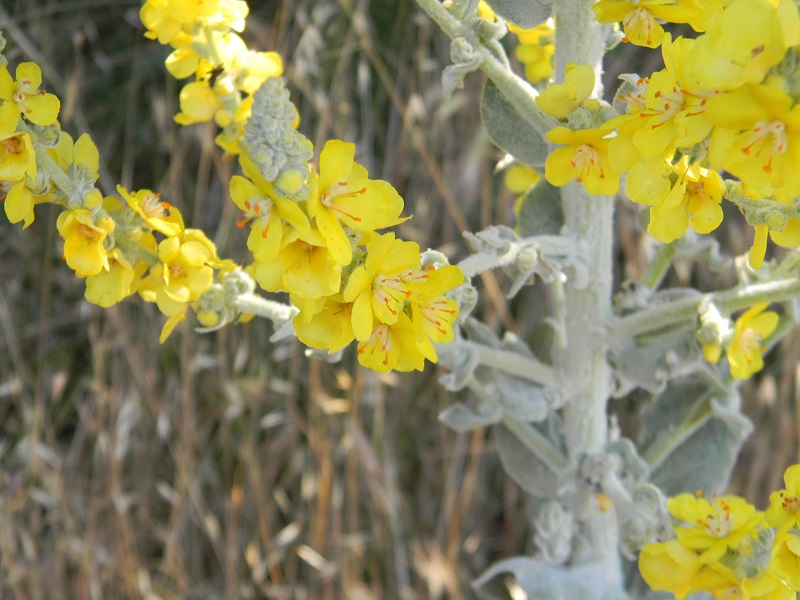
523	466
520	399
508	130
714	434
460	418
524	13
540	211
551	582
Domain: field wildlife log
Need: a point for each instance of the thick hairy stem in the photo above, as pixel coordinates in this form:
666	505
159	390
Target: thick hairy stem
581	363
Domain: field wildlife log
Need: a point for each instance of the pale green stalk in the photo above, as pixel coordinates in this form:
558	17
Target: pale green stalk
683	310
512	363
659	266
277	312
44	162
518	91
582	363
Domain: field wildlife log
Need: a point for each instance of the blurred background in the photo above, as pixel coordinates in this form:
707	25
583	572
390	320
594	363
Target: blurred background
225	466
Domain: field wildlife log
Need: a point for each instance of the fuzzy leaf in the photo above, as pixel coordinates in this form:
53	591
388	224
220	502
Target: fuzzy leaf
540	211
524	466
551	582
520	399
508	130
460	418
712	432
525	13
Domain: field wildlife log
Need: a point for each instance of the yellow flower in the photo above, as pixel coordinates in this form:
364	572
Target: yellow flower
265	211
432	313
785	559
670	567
761	586
184	271
328	329
17	158
164	18
535	51
84	239
19	203
784	505
24	97
303	266
199	103
154	211
744	352
393	347
346	198
378	288
713	527
760	142
560	99
742	43
109	287
639	17
584	157
680	196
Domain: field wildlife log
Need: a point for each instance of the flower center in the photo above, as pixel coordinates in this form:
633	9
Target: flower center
13	145
790	503
587	161
390	291
720	522
152	206
763	131
87	232
256	207
176	271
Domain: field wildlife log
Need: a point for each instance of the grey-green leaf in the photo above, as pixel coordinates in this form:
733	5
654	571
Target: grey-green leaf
508	130
698	439
525	13
540	211
551	582
462	419
523	466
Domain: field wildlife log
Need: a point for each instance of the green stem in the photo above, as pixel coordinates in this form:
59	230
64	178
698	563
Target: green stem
529	436
672	313
524	367
277	312
674	437
44	162
211	44
518	91
789	266
658	267
133	249
538	444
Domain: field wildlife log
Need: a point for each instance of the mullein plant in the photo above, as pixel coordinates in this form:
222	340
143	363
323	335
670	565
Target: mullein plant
718	123
315	230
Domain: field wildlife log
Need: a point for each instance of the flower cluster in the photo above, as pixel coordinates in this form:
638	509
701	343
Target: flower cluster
226	73
725	547
725	102
313	231
743	341
535	49
348	282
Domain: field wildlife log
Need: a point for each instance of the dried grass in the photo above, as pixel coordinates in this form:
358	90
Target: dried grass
222	465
